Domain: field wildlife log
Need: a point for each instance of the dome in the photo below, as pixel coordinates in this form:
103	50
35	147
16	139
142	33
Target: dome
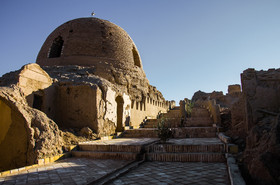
89	42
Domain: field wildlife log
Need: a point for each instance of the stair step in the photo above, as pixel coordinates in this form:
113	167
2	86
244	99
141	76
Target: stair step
200	112
151	120
168	148
106	155
171	115
174	122
204	122
141	133
186	157
150	126
110	148
195	132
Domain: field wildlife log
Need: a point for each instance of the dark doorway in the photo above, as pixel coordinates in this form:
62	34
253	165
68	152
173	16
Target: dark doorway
120	103
37	102
56	47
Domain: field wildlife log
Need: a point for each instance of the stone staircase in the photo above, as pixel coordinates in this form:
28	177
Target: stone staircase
188	150
149	127
199	125
150	123
173	113
199	118
194	140
119	149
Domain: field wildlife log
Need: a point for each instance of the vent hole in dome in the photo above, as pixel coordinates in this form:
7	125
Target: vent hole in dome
136	57
56	48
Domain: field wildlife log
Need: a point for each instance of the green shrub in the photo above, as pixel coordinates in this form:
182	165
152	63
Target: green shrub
189	106
164	130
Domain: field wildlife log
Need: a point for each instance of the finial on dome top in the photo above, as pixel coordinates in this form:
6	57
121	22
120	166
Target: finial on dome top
92	13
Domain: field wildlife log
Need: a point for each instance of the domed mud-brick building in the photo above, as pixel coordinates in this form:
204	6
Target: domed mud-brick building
88	73
104	50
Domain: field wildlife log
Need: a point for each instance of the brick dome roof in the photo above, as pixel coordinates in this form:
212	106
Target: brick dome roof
89	42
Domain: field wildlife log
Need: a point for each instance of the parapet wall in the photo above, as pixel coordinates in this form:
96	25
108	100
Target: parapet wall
147	108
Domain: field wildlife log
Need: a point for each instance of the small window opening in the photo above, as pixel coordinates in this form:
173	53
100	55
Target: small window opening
37	102
56	48
144	105
136	57
132	104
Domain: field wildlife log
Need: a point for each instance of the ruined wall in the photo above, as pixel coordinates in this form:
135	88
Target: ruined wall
262	101
234	89
33	78
35	84
26	134
77	105
127	110
110	118
238	115
12	133
86	105
262	92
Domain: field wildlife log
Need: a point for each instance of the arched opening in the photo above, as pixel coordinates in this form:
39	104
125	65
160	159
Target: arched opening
120	103
136	57
56	48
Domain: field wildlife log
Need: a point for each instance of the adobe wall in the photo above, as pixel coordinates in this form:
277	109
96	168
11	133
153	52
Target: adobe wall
262	101
26	134
76	106
33	78
12	133
234	89
148	108
262	92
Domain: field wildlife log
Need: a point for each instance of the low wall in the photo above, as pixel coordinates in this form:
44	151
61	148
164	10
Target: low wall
148	108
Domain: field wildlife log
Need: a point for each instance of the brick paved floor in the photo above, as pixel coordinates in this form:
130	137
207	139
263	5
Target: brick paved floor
176	173
68	171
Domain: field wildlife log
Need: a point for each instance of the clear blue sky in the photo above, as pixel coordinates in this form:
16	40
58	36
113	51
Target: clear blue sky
185	45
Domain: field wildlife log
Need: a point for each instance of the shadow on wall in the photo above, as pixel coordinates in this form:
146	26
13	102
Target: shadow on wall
13	137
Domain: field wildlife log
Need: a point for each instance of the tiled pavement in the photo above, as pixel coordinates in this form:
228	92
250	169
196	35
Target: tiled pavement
176	173
70	171
82	170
